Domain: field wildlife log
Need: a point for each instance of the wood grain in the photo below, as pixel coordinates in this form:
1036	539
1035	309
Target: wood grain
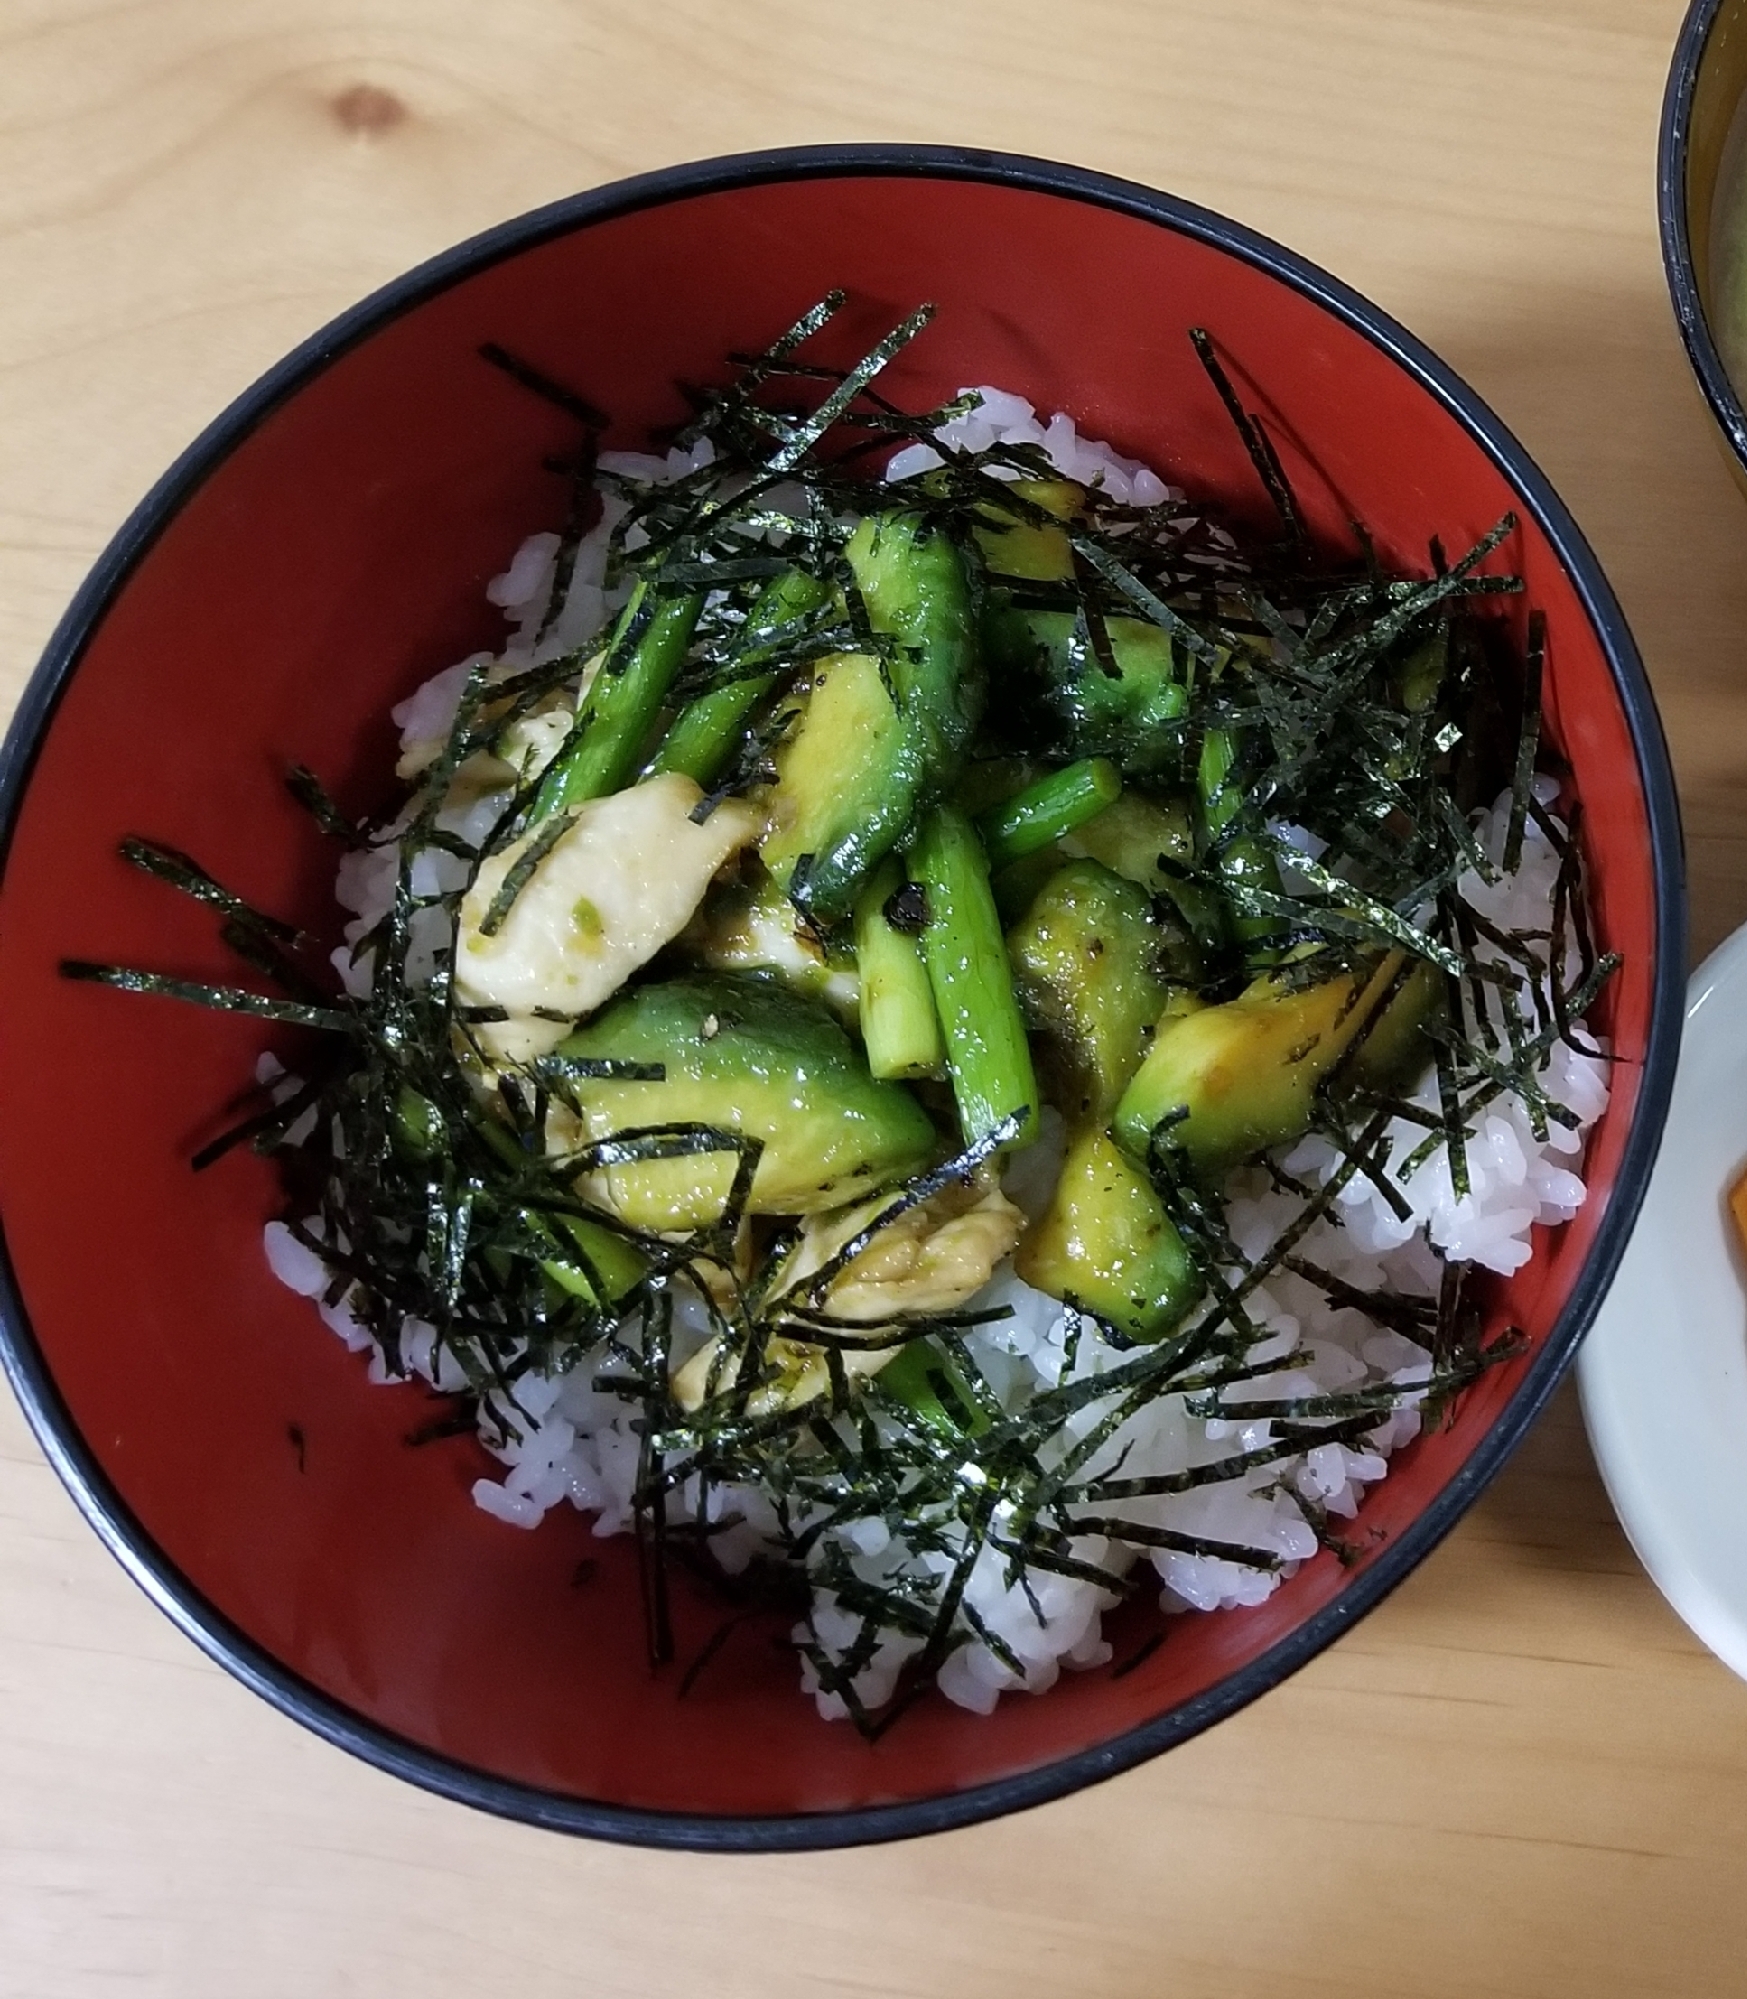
1520	1776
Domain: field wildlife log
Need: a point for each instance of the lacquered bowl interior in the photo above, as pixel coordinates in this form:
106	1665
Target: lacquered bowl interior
317	571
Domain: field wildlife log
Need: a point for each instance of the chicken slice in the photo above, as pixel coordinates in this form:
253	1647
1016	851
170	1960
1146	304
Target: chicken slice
622	880
929	1260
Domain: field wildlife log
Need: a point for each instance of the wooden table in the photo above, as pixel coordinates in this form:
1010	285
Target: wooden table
1521	1776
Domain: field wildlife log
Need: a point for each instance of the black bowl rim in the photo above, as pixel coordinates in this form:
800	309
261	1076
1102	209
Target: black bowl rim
233	1649
1677	258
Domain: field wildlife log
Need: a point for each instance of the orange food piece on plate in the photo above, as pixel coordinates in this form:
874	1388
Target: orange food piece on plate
1738	1208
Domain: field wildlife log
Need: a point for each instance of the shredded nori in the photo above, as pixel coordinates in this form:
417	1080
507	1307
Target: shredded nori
462	1216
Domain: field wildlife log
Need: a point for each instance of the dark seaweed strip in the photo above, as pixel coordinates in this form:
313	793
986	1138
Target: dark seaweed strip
1378	1399
308	790
1220	1471
1225	1367
1566	846
635	1145
1273	624
1449	1097
1410	1316
950	1336
582	500
437	780
1501	1078
593	1068
1040	1555
722	572
267	958
752	763
994	1641
1463	838
1512	944
1135	1532
518	696
1333	1086
783	648
1348	901
222	999
181	871
1371	1161
460	1420
1528	743
955	1321
848	1336
651	1510
265	1129
1526	1081
521	871
1050	1485
1570	907
627	636
1121	1669
458	1226
1351	658
1153	606
542	385
773	357
804	436
709	1649
942	1639
1255	442
1319	1204
1446	1340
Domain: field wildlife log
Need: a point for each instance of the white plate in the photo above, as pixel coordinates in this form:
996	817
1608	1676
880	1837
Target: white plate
1663	1373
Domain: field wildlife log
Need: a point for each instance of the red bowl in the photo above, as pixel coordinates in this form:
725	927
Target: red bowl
321	550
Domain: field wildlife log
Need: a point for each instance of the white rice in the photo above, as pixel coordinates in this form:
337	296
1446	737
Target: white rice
564	1440
1003	418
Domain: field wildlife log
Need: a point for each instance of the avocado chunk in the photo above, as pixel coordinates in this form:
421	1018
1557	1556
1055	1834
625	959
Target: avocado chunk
1398	1046
1028	550
1151	840
1235	1080
1048	655
1142	838
1106	1244
1089	968
1130	716
878	739
750	1057
926	1380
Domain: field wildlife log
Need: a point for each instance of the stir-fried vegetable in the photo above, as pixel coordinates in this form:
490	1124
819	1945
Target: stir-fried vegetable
717	1000
884	730
1090	962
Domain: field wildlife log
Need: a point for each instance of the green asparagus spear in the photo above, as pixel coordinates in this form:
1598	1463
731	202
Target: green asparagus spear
898	1020
703	737
986	1052
1044	811
645	652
